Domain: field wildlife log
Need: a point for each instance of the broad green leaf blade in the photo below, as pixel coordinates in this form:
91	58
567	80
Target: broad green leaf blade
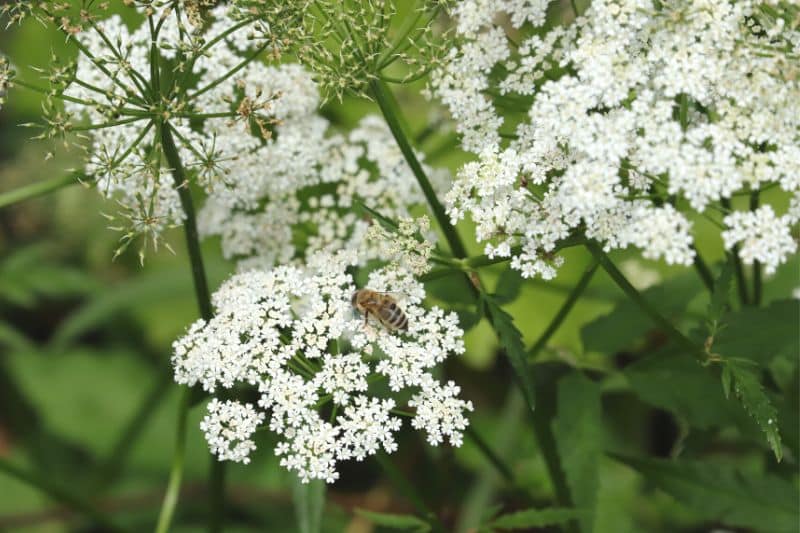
626	323
508	286
554	516
750	393
579	438
762	334
511	340
721	492
678	383
309	503
395	521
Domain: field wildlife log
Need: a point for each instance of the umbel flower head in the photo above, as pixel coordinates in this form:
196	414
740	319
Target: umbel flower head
327	380
179	96
627	126
304	199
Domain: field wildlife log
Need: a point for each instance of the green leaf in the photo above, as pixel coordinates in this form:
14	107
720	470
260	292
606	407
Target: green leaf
553	516
511	340
750	393
387	223
723	493
626	323
579	439
678	383
25	276
395	521
762	334
720	297
309	503
508	286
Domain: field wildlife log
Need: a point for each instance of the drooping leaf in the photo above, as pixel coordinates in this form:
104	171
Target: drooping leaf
508	286
762	334
395	521
309	503
553	516
626	323
748	389
678	383
579	439
723	493
511	340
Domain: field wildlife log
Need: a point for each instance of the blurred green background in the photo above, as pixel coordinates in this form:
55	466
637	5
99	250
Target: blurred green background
86	400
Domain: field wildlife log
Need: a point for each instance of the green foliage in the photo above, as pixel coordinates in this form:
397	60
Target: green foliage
579	436
626	323
403	522
724	493
26	276
530	518
748	389
508	286
762	334
677	383
511	340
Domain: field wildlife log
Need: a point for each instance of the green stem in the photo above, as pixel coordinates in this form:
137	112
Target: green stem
566	307
757	289
703	271
639	300
404	486
189	224
65	496
217	475
741	282
216	523
391	114
39	188
176	471
493	458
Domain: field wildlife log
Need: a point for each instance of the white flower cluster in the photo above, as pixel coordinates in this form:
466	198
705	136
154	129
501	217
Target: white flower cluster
298	195
624	125
292	332
407	246
236	99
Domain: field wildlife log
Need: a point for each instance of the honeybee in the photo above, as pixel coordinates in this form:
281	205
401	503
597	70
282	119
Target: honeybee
382	306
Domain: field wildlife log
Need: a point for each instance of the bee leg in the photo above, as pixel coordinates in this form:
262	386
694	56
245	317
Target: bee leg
366	318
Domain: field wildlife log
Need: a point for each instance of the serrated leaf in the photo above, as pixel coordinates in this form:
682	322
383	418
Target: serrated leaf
723	493
553	516
508	286
762	334
309	502
721	294
726	381
626	323
748	389
579	439
395	521
511	340
678	383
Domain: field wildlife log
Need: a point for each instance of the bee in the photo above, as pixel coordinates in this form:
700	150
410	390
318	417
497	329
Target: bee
382	306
